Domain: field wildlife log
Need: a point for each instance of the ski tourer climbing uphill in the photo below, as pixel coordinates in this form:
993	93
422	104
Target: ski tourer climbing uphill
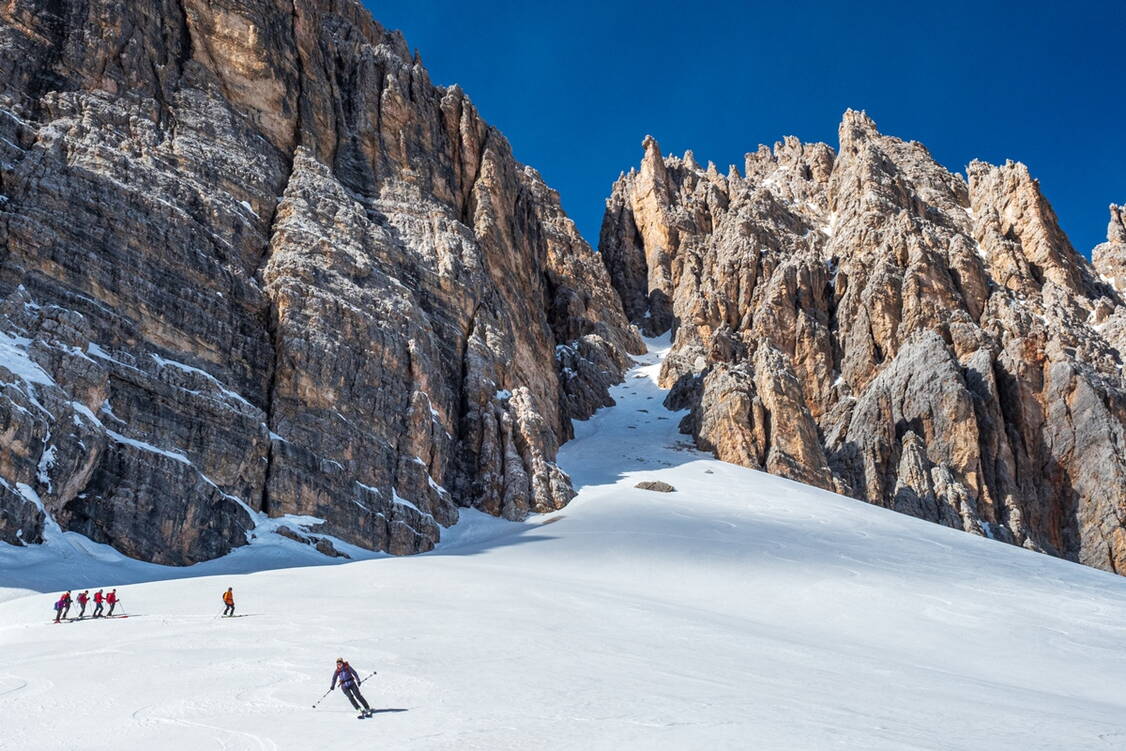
62	605
98	598
111	598
83	598
350	685
229	599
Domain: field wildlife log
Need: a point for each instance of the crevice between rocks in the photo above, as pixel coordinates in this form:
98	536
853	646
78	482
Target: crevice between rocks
468	203
271	323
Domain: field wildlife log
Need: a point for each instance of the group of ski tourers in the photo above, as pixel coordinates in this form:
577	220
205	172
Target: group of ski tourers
344	674
62	605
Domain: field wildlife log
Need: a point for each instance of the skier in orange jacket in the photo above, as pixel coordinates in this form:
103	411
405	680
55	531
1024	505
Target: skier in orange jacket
229	599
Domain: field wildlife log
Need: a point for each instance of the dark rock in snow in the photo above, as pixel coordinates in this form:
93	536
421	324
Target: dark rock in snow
655	485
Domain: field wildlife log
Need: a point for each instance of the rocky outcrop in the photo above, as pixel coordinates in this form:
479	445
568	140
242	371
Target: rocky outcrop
255	263
864	320
1110	257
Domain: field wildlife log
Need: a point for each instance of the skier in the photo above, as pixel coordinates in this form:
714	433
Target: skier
63	607
98	598
59	603
83	598
111	598
229	599
350	685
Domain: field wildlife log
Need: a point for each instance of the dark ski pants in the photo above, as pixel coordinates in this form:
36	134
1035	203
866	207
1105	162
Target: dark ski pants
352	691
66	609
112	605
229	610
97	610
82	612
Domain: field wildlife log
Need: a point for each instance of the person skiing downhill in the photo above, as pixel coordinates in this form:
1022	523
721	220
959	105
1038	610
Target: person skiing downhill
229	599
350	685
111	598
83	598
98	598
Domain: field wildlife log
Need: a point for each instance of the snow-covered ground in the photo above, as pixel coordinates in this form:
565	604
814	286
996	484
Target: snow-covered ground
741	612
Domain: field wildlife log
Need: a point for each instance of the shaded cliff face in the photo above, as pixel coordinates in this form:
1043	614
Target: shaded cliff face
254	262
864	320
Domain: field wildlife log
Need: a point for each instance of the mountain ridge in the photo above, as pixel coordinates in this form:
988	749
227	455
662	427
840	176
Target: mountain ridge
259	264
863	320
255	265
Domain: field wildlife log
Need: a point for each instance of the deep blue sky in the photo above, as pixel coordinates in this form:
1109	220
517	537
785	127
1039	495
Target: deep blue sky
576	85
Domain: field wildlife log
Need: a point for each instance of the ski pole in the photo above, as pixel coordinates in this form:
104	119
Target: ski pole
366	677
318	701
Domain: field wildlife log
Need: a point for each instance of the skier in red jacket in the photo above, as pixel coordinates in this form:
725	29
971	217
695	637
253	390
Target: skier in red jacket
98	598
111	598
83	598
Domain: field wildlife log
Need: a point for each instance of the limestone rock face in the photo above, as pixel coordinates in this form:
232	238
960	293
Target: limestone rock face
254	262
864	320
1110	257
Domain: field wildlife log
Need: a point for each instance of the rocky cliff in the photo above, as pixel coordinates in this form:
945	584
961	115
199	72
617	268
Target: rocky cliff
254	263
1110	257
863	320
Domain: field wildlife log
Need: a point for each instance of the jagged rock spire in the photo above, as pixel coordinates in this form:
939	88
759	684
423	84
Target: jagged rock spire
868	321
1110	257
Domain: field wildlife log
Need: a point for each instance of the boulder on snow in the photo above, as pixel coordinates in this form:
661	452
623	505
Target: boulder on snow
656	485
323	545
287	532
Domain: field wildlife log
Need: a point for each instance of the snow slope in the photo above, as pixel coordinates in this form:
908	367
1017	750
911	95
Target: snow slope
743	611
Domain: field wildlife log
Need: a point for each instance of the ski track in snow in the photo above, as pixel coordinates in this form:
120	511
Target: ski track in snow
742	611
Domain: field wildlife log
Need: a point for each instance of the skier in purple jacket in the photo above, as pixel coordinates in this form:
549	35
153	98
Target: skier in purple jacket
62	607
350	685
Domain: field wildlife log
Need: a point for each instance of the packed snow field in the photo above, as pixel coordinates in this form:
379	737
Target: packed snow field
741	611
